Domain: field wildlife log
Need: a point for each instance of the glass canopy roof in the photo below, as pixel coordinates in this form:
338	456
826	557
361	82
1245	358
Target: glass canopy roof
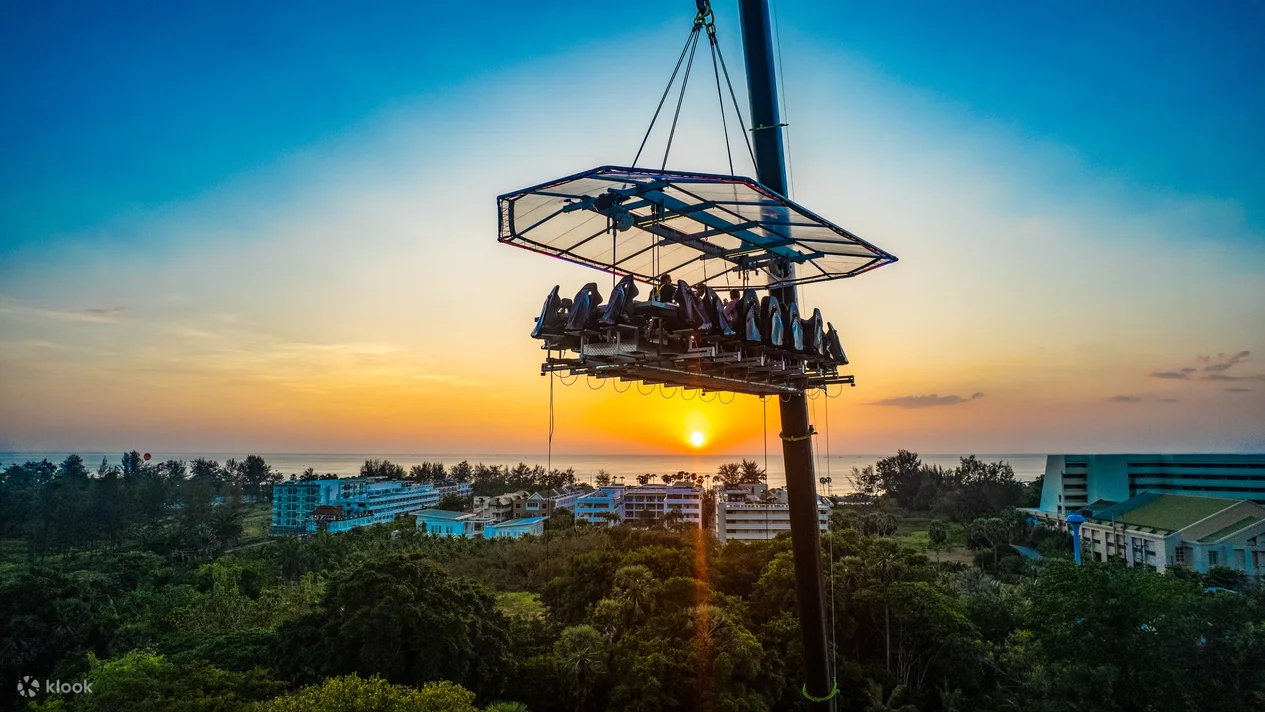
726	231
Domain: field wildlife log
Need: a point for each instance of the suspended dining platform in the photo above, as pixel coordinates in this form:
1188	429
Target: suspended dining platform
708	232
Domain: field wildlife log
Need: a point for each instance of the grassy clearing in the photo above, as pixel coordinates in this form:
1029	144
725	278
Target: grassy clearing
912	530
12	555
256	522
520	604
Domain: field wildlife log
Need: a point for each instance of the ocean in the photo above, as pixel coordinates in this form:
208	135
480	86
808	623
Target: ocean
1027	467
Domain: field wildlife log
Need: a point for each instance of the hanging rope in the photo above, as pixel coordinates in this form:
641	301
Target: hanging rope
797	438
647	392
834	650
549	449
615	387
826	406
588	381
834	690
732	396
764	401
563	381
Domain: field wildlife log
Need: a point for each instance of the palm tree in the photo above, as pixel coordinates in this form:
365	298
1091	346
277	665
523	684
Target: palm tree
876	702
580	656
635	586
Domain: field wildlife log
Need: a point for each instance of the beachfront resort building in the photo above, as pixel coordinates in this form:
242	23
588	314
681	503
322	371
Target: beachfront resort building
444	522
441	522
1165	530
1073	482
545	502
1191	511
515	528
500	507
604	506
656	501
752	511
335	505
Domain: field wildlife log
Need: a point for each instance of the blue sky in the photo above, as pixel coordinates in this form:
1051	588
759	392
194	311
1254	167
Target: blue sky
118	107
222	228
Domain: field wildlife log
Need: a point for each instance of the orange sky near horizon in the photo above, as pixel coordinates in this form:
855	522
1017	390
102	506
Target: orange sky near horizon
353	297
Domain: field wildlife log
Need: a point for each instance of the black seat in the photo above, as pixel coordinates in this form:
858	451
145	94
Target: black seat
584	307
771	321
795	328
693	312
749	313
716	312
834	350
814	334
619	309
553	316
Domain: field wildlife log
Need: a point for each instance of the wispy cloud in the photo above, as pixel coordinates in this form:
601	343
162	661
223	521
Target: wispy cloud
1237	389
926	401
1227	377
1222	362
95	315
1211	368
103	311
1141	399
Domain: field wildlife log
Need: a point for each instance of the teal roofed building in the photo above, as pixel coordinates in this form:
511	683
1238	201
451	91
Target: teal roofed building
1073	482
1161	511
1168	530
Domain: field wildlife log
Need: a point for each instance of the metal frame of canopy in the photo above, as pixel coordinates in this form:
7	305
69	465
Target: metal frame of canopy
676	222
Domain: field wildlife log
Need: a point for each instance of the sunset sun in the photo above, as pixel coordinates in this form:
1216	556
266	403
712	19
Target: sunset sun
697	439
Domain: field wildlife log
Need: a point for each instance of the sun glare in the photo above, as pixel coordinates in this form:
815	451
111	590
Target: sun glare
697	439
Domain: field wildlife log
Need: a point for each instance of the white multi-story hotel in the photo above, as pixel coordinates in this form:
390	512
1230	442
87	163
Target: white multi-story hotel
1165	530
654	501
341	504
753	512
605	506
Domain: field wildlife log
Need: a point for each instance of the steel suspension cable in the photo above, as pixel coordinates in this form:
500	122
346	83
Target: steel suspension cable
671	80
680	99
737	109
720	98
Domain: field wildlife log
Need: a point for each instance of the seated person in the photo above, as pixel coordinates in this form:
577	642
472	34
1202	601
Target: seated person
771	321
715	311
665	291
619	309
692	311
584	307
732	307
553	316
795	337
834	350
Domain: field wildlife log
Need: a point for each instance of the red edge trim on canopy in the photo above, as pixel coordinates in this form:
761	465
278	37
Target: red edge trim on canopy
699	227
